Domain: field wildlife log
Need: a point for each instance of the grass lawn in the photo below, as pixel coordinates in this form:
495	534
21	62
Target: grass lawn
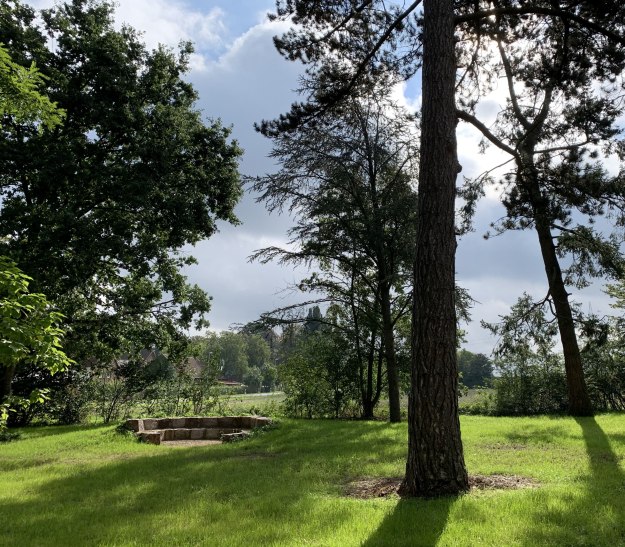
91	486
263	404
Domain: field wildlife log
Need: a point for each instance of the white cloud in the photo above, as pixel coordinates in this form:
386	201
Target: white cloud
248	83
168	22
400	94
242	290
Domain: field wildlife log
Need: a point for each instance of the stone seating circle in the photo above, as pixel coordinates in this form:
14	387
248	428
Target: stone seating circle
223	428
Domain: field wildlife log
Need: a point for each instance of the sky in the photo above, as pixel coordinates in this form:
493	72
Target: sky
241	80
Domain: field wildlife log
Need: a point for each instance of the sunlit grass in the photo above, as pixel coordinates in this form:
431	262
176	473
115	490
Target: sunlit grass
93	486
265	404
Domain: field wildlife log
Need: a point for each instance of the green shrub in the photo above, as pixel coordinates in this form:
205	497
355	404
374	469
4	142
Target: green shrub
318	378
526	384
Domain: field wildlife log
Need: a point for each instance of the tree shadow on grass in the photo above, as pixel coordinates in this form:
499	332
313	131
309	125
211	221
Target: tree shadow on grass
597	517
263	491
538	434
414	523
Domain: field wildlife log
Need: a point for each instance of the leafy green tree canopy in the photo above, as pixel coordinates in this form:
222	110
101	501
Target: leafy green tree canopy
476	368
98	210
29	329
19	96
30	334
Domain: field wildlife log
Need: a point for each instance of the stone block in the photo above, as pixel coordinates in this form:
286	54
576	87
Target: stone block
152	437
134	425
164	423
261	421
212	433
178	423
149	424
208	422
242	422
193	422
224	421
229	437
182	434
169	434
196	434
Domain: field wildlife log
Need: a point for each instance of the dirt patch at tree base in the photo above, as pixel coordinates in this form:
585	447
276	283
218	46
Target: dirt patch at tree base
373	488
369	488
500	482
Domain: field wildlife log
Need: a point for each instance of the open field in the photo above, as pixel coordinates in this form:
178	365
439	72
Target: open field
263	404
286	486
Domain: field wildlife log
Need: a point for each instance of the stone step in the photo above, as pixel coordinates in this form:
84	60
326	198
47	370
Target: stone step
230	437
225	428
218	422
186	434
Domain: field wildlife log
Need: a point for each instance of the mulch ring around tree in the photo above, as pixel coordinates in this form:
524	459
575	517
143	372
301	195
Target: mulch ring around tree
369	488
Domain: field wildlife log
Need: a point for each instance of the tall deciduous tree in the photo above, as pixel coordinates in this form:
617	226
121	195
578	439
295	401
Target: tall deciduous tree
98	210
29	329
349	180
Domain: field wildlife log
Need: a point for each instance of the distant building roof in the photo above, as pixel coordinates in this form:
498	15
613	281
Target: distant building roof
230	383
194	366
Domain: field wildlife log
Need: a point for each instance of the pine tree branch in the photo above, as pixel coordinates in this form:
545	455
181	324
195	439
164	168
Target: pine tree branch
536	10
469	118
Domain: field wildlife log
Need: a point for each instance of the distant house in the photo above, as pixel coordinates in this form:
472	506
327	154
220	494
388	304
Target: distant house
146	354
194	367
232	384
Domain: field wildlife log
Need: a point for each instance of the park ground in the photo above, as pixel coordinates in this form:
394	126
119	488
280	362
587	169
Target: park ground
291	485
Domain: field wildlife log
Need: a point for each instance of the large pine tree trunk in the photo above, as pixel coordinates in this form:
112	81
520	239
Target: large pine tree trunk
579	401
435	463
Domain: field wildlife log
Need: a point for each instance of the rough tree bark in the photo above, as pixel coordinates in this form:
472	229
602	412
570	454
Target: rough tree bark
579	400
435	464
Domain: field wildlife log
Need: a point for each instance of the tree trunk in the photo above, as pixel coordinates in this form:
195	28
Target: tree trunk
367	410
6	377
367	392
367	403
579	401
435	464
392	373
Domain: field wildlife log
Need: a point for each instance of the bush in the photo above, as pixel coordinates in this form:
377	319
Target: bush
67	401
604	367
483	404
318	379
526	384
71	403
